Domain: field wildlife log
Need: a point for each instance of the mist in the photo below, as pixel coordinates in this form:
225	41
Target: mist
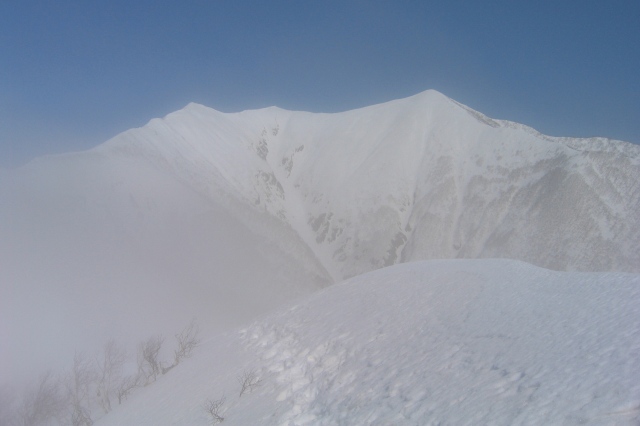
83	264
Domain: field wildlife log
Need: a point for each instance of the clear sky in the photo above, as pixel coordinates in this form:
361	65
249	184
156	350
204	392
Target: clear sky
75	73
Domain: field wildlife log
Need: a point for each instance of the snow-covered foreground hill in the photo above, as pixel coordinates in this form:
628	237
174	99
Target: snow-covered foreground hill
458	342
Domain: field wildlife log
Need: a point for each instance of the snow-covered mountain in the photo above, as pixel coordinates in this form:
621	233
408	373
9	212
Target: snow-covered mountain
226	216
418	178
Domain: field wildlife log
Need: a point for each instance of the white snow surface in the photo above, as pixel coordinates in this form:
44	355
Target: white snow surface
449	342
226	216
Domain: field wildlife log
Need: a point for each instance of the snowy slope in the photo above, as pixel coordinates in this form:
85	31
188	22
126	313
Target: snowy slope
226	216
418	178
93	248
437	342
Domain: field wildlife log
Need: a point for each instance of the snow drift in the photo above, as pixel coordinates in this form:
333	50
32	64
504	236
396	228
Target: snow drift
438	342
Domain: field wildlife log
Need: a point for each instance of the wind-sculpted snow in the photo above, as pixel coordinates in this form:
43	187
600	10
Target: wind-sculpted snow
439	342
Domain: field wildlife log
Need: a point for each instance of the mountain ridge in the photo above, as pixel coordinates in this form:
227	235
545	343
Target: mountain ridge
355	119
254	155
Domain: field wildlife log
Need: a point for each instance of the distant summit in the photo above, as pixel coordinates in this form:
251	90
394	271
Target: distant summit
416	178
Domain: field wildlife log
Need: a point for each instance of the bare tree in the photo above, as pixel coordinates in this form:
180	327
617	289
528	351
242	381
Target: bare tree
79	383
187	340
126	386
149	364
214	409
81	416
109	373
42	403
248	380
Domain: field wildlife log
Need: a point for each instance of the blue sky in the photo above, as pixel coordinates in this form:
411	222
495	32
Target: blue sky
75	73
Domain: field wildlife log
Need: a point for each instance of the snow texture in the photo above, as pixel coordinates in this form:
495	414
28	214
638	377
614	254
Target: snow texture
462	342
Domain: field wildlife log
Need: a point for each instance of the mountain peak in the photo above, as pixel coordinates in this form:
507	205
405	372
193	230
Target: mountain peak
420	164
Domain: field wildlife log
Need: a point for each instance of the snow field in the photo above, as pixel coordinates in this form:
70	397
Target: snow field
439	342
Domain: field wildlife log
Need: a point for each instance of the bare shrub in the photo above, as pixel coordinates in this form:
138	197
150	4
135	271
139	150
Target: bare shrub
42	403
187	340
79	383
81	416
110	366
126	386
248	380
214	409
149	364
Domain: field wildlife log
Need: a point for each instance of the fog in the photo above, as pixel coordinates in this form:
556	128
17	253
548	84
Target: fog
78	267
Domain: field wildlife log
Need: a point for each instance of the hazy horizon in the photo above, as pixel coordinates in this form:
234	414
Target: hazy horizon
75	75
